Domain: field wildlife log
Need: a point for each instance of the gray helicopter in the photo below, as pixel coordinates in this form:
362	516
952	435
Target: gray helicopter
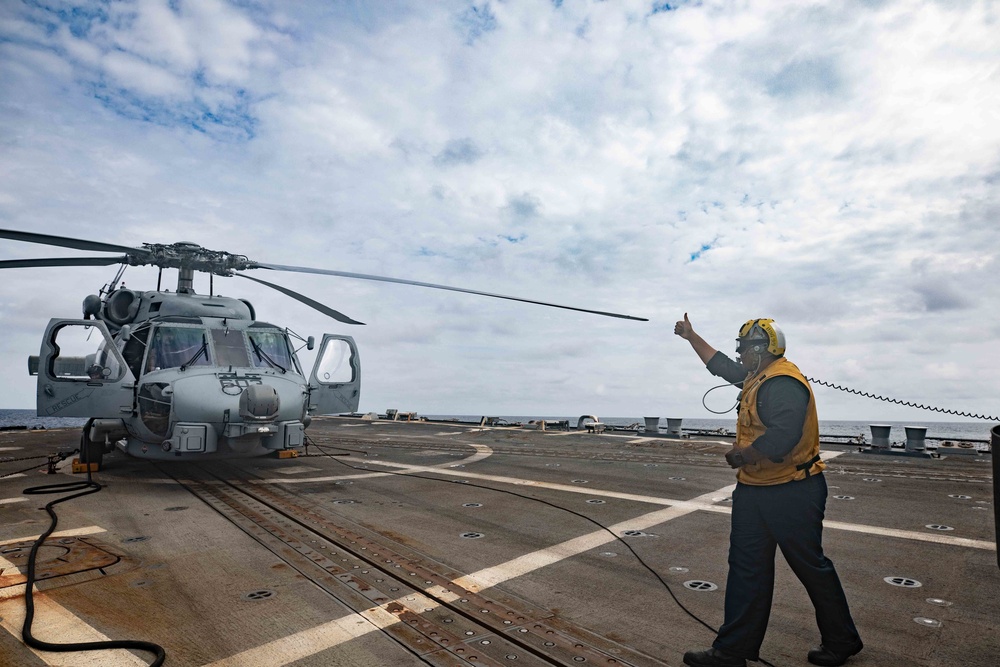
179	375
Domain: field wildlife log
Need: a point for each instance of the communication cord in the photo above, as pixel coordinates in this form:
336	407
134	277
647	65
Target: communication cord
906	403
558	507
85	487
858	392
728	384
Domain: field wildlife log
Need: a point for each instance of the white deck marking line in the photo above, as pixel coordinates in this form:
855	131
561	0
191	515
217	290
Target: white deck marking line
695	503
55	623
71	532
517	567
8	501
482	452
9	449
322	637
912	535
309	642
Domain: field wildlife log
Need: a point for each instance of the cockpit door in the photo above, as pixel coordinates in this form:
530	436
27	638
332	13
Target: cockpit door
335	383
81	373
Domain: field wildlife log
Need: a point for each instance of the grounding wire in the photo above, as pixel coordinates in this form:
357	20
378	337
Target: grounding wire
18	472
558	507
85	487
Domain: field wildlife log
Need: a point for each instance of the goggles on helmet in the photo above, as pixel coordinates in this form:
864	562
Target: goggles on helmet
744	344
763	332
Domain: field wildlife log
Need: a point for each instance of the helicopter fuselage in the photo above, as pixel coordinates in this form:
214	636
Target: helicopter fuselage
172	376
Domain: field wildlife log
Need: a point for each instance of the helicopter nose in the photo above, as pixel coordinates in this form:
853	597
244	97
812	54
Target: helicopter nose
259	402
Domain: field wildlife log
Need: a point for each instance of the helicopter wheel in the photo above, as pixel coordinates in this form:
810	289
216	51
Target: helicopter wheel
90	451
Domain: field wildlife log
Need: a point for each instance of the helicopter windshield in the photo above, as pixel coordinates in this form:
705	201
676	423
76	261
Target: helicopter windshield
230	348
172	347
269	349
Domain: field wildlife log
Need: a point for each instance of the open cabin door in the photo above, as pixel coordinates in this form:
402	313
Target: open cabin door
335	382
81	373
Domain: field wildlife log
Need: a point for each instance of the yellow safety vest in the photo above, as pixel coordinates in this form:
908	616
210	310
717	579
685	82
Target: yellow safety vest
803	460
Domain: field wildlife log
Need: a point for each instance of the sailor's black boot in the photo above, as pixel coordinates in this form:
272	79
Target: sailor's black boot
830	657
713	657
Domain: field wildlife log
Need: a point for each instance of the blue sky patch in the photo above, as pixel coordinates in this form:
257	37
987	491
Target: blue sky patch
705	247
224	122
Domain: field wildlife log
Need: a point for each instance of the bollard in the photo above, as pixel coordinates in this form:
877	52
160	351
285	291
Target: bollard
994	448
880	435
915	438
674	427
652	424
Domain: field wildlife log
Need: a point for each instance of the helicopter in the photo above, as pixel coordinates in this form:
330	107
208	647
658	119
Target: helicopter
179	375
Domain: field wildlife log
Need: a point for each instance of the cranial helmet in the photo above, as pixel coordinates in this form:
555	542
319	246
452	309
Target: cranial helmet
763	333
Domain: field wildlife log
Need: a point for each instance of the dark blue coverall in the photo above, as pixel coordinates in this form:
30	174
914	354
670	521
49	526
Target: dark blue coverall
788	516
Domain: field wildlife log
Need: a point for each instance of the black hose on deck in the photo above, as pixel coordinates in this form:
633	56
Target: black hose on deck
600	525
85	487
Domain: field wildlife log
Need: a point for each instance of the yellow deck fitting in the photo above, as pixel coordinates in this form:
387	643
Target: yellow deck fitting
82	467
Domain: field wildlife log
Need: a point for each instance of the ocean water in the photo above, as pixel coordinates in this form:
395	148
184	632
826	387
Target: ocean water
29	419
978	432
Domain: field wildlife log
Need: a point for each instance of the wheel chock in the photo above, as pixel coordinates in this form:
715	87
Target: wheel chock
287	453
82	467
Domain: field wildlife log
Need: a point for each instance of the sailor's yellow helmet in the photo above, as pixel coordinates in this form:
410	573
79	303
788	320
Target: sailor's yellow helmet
762	331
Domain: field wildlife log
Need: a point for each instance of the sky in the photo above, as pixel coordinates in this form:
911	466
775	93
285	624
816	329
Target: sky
831	165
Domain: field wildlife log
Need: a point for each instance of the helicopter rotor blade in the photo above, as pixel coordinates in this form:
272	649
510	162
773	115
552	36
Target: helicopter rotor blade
363	276
326	310
62	261
66	242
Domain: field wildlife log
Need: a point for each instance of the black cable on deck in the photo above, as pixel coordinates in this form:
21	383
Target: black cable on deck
85	487
558	507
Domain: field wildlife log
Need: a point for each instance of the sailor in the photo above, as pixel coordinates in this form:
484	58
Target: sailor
779	500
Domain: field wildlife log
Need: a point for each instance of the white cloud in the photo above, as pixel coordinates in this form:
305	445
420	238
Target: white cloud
832	166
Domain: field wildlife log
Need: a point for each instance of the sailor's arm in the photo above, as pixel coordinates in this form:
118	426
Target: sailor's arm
684	329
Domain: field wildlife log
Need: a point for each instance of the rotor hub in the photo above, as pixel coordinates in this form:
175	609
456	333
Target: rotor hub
187	255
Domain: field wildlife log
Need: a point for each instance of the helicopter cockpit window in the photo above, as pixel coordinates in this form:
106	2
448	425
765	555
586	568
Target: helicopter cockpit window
269	349
82	353
172	347
335	366
230	348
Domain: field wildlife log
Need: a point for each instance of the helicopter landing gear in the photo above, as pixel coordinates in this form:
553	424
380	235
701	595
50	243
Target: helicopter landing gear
90	451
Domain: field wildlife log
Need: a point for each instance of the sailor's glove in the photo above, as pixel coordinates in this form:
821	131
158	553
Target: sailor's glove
737	458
